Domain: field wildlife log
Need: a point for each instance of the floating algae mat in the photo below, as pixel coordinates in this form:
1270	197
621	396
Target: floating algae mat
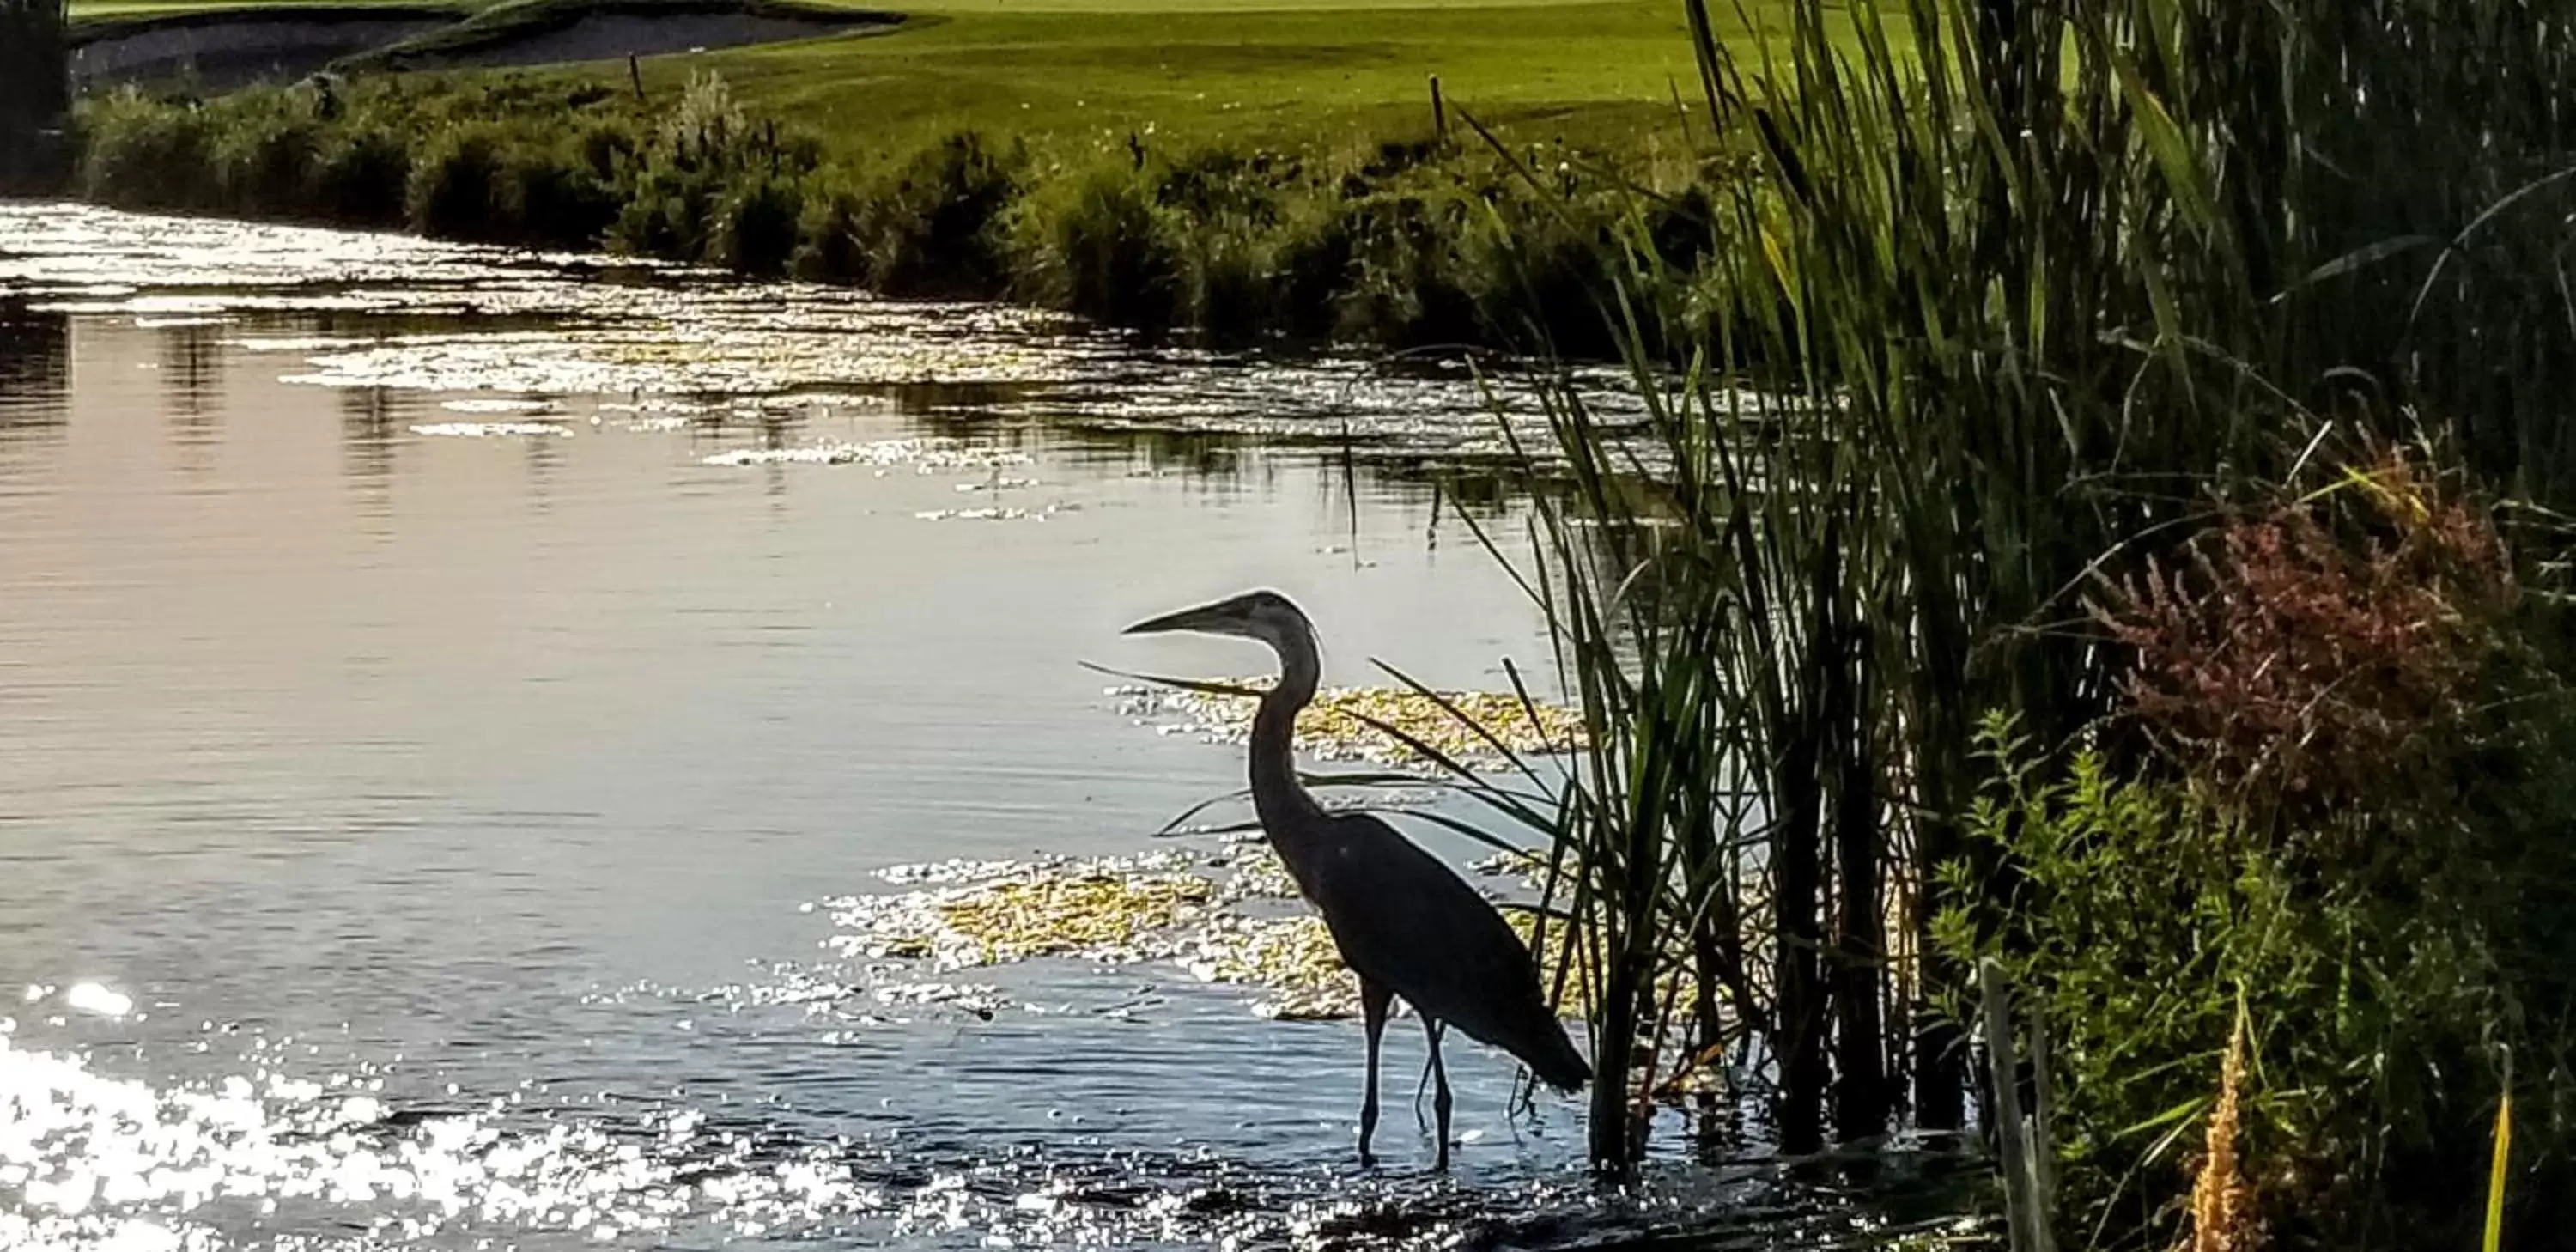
1333	727
1218	916
1292	957
1078	911
926	454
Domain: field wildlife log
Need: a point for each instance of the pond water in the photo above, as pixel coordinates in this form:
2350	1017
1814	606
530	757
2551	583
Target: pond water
444	691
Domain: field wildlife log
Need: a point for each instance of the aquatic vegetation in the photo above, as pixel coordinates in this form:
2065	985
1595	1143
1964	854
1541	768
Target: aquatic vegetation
500	405
1215	916
996	514
490	430
1292	957
925	454
1337	725
1091	913
2014	368
731	356
971	914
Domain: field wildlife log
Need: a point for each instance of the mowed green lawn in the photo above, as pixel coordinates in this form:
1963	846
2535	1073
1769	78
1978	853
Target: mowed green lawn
1304	71
1214	68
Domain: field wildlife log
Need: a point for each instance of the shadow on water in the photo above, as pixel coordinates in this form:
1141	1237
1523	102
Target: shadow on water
369	422
191	371
35	375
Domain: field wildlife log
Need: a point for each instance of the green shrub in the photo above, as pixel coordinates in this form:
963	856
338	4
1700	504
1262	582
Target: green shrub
268	165
1404	287
1104	248
828	248
708	128
556	198
668	212
934	225
2368	846
1392	242
608	147
712	183
140	153
756	228
1231	281
362	175
459	186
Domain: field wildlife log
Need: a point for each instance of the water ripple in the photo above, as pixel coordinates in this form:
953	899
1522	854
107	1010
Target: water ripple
92	1161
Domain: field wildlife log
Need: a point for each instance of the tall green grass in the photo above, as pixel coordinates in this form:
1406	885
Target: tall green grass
2019	294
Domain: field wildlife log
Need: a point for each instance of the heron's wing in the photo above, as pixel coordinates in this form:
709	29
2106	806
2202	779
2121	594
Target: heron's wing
1408	922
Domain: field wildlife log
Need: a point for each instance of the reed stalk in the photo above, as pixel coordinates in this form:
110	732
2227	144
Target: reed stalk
2022	287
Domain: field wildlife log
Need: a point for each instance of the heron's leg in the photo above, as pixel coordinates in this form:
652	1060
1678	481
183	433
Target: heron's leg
1439	1089
1374	1001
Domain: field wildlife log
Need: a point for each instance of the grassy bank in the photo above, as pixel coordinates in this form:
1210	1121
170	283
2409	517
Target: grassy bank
1239	172
1396	242
1303	70
1308	74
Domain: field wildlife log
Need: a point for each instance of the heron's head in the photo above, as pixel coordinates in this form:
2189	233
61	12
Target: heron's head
1263	615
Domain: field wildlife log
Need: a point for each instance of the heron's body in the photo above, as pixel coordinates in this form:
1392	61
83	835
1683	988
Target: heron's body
1406	924
1472	971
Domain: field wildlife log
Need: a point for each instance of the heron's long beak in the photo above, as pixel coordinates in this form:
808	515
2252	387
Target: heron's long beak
1213	619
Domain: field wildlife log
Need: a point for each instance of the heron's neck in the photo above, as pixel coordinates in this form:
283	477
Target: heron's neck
1287	811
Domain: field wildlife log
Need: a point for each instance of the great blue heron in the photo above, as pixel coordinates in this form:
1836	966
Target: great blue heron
1405	923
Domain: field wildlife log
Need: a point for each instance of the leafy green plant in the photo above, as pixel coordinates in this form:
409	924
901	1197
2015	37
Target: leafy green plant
362	175
1104	247
933	225
145	153
459	184
267	165
756	226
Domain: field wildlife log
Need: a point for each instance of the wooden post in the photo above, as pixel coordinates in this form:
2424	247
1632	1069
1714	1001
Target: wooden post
635	74
1439	113
2028	1221
2043	1113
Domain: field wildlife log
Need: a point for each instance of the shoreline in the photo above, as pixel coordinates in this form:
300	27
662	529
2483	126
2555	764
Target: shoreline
1396	245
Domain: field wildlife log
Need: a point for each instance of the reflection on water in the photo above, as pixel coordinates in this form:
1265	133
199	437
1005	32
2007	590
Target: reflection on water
35	370
420	838
192	383
368	420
